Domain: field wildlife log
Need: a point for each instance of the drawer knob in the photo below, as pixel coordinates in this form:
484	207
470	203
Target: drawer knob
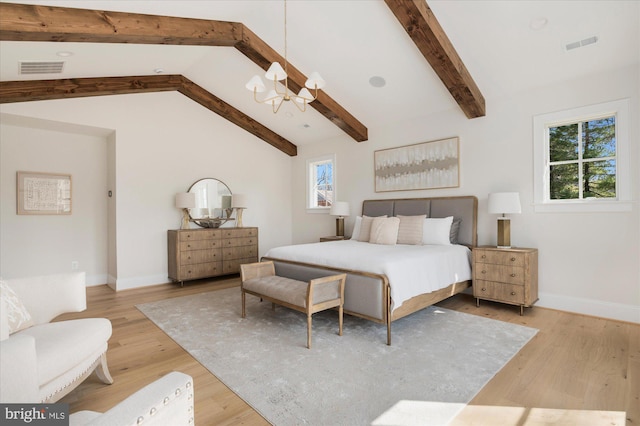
484	289
189	245
513	259
484	256
513	275
513	293
484	272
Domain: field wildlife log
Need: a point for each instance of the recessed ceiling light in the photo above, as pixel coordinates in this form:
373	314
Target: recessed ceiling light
64	53
158	70
306	126
377	81
539	23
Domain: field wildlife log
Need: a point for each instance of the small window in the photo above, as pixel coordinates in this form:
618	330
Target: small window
321	182
581	159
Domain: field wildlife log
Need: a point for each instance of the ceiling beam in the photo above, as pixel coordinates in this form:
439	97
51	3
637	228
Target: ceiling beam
424	29
39	90
20	22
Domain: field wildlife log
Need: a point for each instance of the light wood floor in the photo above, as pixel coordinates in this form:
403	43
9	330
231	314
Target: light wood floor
573	363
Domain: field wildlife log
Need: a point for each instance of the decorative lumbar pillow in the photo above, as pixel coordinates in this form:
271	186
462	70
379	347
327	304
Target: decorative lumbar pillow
455	230
365	228
437	231
384	230
18	316
410	230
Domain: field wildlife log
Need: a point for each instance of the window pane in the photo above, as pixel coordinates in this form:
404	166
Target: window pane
563	180
563	142
599	138
600	179
323	184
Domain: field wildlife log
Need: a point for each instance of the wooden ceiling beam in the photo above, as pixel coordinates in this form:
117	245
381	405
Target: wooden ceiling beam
39	90
424	29
20	22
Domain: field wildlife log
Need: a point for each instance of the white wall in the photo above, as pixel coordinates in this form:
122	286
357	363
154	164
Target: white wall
588	262
163	143
42	244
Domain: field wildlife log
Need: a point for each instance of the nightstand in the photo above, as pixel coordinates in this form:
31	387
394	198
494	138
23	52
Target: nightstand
507	275
331	238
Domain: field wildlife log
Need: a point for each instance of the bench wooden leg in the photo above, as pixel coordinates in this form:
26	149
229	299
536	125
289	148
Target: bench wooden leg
243	304
309	331
340	311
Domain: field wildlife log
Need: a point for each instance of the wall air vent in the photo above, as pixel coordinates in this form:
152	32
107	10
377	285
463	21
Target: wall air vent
581	43
41	67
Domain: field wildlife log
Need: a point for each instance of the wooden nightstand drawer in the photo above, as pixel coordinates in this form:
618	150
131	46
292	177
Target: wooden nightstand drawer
500	257
509	293
502	273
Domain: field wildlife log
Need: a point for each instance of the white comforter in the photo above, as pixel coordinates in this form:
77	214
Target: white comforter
411	269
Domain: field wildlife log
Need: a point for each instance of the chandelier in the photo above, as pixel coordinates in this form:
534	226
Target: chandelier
276	96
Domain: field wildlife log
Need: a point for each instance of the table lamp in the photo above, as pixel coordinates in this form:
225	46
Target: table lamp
504	203
239	203
340	209
185	201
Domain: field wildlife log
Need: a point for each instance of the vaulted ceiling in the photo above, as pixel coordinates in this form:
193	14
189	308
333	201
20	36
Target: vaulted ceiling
346	41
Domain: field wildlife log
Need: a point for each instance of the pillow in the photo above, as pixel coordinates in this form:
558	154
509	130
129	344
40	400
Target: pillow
365	228
356	228
410	230
437	231
455	229
18	316
384	230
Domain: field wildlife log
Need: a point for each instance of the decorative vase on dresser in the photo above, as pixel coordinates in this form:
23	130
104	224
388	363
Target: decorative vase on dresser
507	275
205	253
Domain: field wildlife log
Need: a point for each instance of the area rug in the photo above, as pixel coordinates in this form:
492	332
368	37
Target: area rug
437	355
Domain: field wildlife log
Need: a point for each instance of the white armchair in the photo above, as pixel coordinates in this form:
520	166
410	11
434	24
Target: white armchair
167	401
47	360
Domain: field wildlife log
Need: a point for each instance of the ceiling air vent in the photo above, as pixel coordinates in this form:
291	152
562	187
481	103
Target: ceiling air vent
41	67
581	43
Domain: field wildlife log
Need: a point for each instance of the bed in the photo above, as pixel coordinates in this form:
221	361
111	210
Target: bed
403	278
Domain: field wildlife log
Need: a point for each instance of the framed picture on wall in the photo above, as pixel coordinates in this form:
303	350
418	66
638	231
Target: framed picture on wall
426	165
43	193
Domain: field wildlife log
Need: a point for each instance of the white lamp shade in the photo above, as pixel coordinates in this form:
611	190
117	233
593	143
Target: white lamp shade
255	84
340	208
305	94
315	81
275	71
504	202
238	201
185	200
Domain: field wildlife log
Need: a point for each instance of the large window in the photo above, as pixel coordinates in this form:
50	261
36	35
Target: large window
321	188
581	159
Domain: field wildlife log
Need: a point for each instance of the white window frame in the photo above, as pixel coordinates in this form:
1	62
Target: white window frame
541	188
310	200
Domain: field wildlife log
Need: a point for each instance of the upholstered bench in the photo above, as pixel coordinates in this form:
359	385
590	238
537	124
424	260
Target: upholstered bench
319	294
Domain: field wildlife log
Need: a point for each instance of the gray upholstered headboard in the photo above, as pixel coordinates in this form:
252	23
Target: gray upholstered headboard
464	208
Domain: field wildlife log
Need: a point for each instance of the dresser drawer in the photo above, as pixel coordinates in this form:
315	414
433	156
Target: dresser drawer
502	273
200	244
240	232
237	242
201	270
200	234
200	256
229	253
501	292
233	266
499	257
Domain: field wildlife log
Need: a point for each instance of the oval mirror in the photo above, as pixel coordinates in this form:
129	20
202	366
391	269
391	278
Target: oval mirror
213	203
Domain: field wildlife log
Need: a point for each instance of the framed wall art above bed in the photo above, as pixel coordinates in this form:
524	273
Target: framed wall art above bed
426	165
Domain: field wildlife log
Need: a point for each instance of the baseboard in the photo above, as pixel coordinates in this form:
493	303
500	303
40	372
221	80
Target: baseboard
129	283
596	308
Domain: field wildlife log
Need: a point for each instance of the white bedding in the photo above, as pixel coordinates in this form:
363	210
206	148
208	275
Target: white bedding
411	269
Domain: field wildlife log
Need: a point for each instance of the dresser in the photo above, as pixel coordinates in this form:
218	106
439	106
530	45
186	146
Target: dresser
204	253
507	275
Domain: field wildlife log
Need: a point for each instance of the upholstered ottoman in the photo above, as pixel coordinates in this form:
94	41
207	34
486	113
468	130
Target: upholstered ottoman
319	294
